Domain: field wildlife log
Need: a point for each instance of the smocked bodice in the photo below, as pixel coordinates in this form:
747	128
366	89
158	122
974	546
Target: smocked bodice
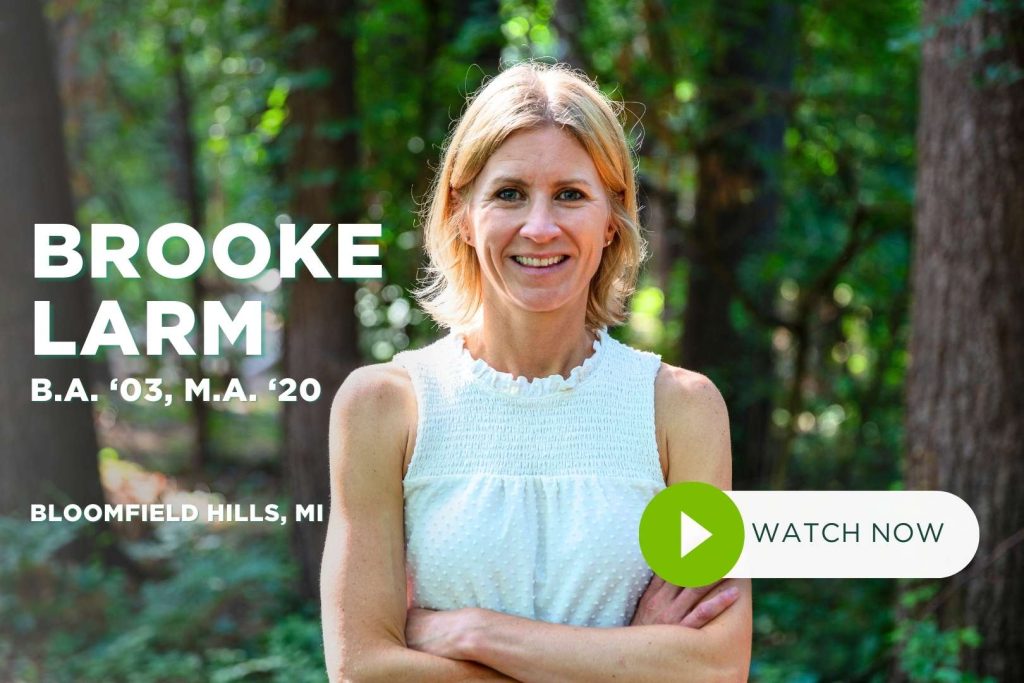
524	496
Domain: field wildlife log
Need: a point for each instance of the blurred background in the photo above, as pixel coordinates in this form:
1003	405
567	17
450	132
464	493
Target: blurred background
782	148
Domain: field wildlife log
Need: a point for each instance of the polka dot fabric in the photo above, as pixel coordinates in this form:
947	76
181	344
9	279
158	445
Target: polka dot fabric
524	496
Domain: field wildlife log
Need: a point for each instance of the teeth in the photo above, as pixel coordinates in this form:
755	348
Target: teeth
538	262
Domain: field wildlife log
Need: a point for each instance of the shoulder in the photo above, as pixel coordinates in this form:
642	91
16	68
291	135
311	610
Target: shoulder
693	427
374	409
373	391
689	393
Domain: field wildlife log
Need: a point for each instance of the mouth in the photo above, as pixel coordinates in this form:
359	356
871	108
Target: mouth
535	263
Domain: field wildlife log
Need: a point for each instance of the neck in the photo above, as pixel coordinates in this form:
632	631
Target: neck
531	344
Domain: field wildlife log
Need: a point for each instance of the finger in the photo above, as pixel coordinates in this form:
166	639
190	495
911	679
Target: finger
653	586
656	597
655	583
658	594
710	608
662	602
667	594
688	599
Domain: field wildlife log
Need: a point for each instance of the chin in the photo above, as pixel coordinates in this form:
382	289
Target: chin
542	304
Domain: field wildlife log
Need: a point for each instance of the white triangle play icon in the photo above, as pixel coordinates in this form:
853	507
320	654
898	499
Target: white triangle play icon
691	534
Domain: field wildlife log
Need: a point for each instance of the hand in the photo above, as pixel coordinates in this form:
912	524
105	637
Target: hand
441	633
664	603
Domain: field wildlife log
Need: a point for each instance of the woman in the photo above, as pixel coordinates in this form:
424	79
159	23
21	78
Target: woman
487	489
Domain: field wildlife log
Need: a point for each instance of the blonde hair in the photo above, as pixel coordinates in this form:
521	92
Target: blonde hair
527	96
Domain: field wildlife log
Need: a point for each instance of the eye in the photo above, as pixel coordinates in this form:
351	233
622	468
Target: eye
571	195
508	194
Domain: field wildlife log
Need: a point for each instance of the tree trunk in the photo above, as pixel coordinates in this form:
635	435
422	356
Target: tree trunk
187	188
965	397
48	449
321	334
659	217
736	214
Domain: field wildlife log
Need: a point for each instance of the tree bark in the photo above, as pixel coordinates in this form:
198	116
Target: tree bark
736	214
321	334
188	189
48	449
965	395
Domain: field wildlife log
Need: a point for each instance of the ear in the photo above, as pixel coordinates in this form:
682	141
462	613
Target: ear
459	210
609	235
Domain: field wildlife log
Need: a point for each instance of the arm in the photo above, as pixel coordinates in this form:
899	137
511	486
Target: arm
539	651
694	433
362	578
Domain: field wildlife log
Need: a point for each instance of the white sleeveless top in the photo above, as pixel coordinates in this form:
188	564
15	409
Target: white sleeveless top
524	496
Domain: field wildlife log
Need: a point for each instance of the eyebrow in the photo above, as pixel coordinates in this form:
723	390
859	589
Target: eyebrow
513	180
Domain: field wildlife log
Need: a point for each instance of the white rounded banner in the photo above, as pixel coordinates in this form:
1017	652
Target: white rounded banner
854	534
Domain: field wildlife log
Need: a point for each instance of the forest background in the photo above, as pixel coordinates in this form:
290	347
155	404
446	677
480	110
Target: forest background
831	191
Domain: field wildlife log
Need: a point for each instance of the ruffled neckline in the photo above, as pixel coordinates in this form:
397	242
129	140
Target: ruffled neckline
505	383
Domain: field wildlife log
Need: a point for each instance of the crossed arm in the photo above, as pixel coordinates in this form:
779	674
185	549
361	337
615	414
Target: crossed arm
371	634
644	651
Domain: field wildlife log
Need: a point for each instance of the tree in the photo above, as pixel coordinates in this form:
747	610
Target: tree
49	448
189	189
965	395
337	79
739	162
321	337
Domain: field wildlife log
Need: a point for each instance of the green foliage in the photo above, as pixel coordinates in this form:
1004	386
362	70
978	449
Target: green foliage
931	655
124	144
417	64
225	612
847	618
991	58
927	653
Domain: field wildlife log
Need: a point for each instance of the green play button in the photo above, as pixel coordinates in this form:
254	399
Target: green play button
691	534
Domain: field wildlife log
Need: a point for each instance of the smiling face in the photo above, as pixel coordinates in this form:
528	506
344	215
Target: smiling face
538	217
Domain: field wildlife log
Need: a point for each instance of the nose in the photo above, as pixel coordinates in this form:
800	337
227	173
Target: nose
540	226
